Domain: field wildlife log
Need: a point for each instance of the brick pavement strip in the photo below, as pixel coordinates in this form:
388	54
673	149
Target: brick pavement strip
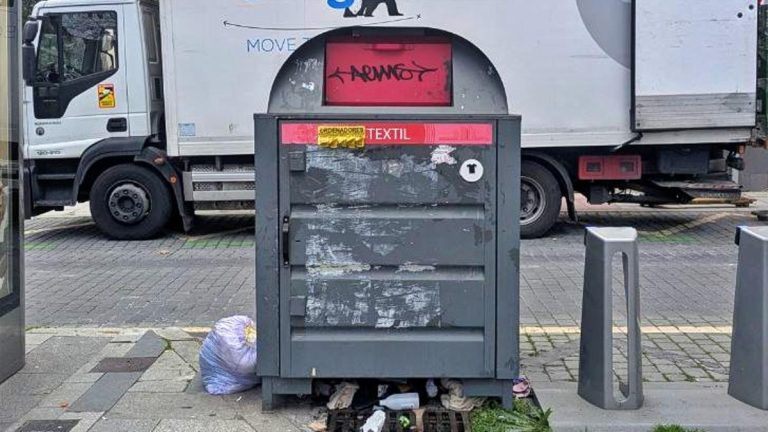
77	277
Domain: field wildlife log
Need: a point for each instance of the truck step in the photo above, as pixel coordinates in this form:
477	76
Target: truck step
708	192
55	177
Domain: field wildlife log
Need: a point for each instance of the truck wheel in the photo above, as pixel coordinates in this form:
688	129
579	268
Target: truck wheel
130	202
540	200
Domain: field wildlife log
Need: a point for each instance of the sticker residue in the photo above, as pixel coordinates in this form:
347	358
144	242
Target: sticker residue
442	155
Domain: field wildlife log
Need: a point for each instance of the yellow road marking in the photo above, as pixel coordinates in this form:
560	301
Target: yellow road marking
671	329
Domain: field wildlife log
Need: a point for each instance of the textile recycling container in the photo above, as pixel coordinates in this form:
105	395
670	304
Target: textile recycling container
387	216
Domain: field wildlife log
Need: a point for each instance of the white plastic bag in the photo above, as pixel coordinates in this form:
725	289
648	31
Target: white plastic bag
228	356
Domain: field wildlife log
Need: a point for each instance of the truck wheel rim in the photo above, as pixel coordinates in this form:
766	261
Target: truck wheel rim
532	200
128	203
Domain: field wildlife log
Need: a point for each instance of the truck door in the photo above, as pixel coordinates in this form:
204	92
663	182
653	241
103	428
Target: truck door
150	18
80	87
695	64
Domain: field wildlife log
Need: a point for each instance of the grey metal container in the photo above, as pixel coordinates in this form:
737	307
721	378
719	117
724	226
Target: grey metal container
390	261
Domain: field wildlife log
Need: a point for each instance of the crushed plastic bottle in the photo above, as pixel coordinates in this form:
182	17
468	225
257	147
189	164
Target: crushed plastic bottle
375	423
432	389
401	402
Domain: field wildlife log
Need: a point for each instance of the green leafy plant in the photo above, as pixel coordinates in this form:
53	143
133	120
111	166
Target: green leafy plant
674	428
523	418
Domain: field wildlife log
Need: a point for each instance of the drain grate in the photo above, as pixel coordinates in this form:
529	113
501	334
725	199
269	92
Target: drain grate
352	421
48	426
442	420
124	364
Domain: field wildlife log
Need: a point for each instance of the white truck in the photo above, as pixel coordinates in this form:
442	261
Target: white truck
145	109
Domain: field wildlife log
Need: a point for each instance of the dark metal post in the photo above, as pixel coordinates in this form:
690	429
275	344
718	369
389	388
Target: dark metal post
595	361
748	380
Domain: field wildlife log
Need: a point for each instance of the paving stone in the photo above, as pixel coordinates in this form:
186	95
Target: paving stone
170	366
150	345
196	385
64	395
189	351
103	395
128	337
172	406
23	391
85	420
48	426
116	349
159	387
203	426
120	425
63	355
37	338
84	378
293	416
43	413
123	364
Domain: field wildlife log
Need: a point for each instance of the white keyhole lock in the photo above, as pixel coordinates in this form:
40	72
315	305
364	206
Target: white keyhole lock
472	171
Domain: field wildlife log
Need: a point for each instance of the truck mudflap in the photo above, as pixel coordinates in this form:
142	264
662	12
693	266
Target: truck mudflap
706	192
159	160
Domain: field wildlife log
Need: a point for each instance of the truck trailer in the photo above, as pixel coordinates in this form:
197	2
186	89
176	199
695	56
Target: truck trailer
145	108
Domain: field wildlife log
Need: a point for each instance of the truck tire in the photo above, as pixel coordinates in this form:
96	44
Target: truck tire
130	202
540	200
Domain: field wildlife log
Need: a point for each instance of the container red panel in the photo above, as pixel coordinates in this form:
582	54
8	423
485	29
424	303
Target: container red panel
388	72
628	167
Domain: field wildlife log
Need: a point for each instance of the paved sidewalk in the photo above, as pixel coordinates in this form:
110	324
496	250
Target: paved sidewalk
128	380
703	407
145	380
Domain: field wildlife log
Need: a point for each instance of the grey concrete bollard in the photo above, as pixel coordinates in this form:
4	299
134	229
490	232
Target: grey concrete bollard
596	379
748	381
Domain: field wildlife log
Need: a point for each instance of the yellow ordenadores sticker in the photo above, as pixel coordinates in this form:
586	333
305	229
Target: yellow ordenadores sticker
341	136
107	97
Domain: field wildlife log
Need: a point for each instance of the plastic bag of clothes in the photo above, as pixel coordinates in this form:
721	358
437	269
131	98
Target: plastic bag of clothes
228	356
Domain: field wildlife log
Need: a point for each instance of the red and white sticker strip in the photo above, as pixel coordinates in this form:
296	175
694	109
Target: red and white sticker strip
397	133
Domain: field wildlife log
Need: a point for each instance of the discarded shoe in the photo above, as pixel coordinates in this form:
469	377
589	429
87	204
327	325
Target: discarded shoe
521	388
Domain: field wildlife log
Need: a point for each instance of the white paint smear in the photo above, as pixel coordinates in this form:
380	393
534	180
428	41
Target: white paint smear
442	155
413	268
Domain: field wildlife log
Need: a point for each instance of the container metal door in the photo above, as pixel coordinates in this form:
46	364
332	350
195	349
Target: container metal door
388	250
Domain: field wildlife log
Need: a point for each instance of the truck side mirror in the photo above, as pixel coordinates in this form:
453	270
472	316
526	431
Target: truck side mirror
28	54
29	59
31	28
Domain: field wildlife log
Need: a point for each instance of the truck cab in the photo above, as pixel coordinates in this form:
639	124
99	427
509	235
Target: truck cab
93	96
